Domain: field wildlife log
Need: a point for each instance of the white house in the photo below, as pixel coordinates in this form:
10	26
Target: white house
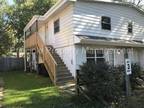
85	30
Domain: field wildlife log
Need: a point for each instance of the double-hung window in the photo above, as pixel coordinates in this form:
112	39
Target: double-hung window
57	26
130	28
95	56
106	23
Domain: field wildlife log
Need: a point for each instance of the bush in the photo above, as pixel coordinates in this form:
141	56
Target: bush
136	72
102	81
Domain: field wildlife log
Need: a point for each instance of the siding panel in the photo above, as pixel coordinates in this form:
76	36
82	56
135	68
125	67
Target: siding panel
87	20
65	36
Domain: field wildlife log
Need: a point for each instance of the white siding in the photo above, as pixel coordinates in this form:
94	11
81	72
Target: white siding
141	58
118	54
64	37
87	20
63	40
68	56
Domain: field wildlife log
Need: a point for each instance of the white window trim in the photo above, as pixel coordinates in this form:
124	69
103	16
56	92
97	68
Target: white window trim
105	56
95	57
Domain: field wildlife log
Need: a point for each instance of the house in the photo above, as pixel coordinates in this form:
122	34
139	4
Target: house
73	32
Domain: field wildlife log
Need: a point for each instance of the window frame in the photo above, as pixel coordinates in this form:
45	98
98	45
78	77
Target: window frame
130	28
106	25
95	55
111	53
57	26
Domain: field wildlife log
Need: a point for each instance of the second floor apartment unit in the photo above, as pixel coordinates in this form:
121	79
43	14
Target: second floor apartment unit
87	30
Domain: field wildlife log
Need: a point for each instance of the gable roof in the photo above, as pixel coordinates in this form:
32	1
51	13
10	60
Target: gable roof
62	3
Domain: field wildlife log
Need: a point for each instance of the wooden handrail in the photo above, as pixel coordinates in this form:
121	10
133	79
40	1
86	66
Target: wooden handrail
48	59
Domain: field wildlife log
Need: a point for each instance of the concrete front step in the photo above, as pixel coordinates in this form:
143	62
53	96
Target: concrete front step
68	88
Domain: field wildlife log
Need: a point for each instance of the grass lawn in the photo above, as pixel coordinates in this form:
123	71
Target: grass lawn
23	90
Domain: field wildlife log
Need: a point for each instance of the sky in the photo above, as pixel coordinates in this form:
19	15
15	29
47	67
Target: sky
10	2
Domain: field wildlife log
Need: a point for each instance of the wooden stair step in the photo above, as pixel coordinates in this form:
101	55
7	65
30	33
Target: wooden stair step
62	68
61	65
64	82
63	74
65	78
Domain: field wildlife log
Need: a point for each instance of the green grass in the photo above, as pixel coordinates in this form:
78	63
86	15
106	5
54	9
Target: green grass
23	90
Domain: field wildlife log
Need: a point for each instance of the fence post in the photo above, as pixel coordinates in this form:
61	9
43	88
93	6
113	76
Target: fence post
77	82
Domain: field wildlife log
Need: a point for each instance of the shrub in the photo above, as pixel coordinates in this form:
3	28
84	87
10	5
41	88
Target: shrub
136	72
102	81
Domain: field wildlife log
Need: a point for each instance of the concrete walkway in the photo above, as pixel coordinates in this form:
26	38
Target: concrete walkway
1	91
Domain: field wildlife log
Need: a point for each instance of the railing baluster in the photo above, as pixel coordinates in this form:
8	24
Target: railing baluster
48	59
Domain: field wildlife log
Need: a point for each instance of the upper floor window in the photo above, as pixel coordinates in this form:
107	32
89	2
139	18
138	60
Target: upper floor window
130	27
56	26
106	23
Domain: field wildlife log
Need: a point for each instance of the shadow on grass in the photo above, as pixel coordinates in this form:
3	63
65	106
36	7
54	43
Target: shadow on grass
25	81
23	90
36	101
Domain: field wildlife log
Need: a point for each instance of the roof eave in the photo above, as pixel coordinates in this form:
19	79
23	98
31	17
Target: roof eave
110	43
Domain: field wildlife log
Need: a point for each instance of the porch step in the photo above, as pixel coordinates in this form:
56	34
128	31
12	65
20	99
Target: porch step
64	78
63	74
65	82
68	88
62	68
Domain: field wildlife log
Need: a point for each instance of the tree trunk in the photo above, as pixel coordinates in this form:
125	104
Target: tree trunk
17	53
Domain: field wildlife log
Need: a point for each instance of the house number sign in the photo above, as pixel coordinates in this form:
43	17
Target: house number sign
128	66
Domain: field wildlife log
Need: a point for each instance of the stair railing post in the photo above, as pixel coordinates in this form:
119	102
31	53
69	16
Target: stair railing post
55	71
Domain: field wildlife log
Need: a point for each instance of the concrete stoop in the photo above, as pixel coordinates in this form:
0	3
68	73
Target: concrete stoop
68	88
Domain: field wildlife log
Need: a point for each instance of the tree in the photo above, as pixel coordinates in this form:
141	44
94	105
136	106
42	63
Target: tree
20	14
5	39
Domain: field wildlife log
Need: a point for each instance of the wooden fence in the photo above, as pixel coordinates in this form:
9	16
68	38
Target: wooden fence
11	64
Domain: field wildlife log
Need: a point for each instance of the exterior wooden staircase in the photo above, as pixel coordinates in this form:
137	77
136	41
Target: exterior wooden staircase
63	75
56	68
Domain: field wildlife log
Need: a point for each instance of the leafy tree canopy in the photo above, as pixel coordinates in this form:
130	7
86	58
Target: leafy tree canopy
16	17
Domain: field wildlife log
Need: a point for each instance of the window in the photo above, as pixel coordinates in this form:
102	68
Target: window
111	57
56	26
106	23
100	56
130	27
95	56
90	54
